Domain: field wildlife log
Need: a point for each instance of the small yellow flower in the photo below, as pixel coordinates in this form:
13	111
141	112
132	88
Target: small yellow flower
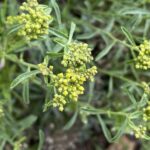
140	131
146	112
44	69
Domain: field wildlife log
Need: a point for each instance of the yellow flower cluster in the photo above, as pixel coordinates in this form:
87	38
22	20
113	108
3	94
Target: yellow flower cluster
77	54
90	73
33	18
44	69
143	59
146	115
140	131
146	88
69	85
59	101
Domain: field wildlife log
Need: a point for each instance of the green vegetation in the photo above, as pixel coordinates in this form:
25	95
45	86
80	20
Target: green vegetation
74	64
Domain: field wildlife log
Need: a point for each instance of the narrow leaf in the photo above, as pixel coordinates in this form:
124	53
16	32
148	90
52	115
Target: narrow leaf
14	29
54	55
27	122
41	140
128	35
71	121
132	98
87	36
26	92
23	77
104	52
72	29
107	133
57	11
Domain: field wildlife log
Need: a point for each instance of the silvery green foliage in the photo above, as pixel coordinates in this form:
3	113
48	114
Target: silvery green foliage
119	96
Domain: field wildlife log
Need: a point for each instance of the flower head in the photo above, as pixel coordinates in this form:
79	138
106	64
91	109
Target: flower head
146	88
77	55
44	69
69	84
140	131
146	112
33	19
143	59
59	101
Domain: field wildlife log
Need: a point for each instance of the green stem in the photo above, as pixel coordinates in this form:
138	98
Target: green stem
18	61
95	111
118	76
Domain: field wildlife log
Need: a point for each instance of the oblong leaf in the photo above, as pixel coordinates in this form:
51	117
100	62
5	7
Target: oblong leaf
23	77
72	29
128	35
54	55
107	132
104	52
26	92
71	121
41	139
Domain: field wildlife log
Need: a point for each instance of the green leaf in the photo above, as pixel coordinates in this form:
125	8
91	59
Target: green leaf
105	51
143	101
4	136
27	122
128	35
54	55
41	139
47	9
134	11
23	77
71	121
132	98
57	11
12	57
136	114
87	36
108	134
57	33
3	12
2	144
146	29
12	8
110	87
24	124
26	92
91	91
72	29
14	29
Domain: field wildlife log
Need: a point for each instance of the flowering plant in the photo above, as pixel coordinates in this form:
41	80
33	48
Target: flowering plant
49	70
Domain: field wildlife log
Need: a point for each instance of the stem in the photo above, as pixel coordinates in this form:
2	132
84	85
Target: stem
95	111
114	38
118	76
18	61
